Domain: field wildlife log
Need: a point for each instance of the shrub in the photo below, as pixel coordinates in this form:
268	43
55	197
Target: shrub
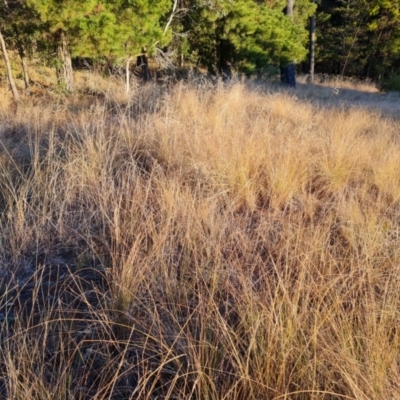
392	83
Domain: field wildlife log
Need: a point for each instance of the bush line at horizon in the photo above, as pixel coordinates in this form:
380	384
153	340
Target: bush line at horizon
251	252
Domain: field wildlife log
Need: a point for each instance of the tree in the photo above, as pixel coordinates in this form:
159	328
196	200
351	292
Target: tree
13	15
8	67
124	29
62	23
19	23
140	28
113	29
288	69
359	37
312	49
252	34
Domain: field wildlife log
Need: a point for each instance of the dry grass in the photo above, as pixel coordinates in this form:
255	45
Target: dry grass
337	91
342	82
246	243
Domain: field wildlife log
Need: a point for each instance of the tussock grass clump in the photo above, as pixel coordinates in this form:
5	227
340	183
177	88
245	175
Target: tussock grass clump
191	243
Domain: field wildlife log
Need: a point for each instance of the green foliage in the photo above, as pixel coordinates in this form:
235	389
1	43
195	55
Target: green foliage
354	37
19	23
112	28
359	37
96	36
252	34
261	35
392	83
62	15
62	20
138	24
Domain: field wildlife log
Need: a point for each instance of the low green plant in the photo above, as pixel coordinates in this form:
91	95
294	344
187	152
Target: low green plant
391	83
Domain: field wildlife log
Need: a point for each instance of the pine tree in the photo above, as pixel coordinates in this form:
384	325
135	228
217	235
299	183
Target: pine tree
359	37
62	21
252	34
140	28
18	23
124	29
113	29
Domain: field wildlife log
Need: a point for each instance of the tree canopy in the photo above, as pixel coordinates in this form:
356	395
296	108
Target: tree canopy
252	34
359	37
354	37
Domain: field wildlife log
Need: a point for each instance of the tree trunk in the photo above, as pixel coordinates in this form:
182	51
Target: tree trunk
26	74
21	53
288	75
8	66
288	72
128	75
312	48
64	71
225	52
290	8
143	62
